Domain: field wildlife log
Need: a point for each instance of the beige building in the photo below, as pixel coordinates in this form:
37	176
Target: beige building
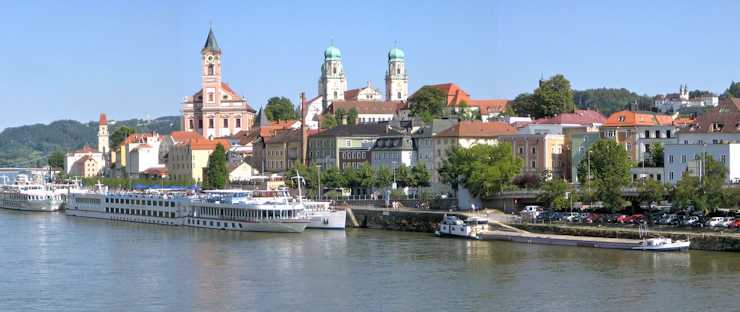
187	160
540	152
215	110
466	134
85	162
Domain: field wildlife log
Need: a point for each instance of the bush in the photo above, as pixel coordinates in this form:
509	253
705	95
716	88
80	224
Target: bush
398	194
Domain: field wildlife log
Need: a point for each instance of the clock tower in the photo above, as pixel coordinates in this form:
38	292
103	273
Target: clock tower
215	110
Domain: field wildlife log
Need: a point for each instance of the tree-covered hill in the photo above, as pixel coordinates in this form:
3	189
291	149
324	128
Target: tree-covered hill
28	146
609	100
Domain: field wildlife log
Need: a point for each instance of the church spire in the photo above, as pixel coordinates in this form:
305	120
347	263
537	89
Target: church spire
211	44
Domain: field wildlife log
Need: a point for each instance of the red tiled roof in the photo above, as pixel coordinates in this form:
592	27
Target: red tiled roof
580	117
182	136
103	119
489	106
161	171
454	93
136	138
683	122
633	119
206	144
85	149
477	129
352	94
725	118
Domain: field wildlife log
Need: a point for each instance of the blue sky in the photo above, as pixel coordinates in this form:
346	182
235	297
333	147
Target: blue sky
74	59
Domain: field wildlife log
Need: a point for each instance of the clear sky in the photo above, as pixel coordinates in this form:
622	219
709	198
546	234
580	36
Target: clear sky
74	59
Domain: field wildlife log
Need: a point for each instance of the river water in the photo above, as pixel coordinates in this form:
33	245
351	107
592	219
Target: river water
50	262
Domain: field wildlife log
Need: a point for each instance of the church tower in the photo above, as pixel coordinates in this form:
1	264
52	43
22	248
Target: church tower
396	79
211	71
332	83
103	134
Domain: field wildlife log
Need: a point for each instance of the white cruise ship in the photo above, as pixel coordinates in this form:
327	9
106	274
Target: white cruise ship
129	206
24	195
252	211
323	216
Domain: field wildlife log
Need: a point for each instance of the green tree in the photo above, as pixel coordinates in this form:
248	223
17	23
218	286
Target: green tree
309	177
280	108
56	160
733	90
656	154
383	177
420	175
553	97
119	135
217	173
483	169
553	194
651	191
465	112
333	178
365	176
352	116
610	166
609	100
328	122
428	103
404	177
523	105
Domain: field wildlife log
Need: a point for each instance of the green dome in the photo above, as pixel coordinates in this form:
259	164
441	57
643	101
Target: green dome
396	54
332	53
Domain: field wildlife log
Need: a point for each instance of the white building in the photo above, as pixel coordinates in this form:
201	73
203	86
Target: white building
392	151
85	162
686	158
673	102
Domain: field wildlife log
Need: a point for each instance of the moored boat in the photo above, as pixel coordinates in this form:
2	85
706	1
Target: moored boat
456	227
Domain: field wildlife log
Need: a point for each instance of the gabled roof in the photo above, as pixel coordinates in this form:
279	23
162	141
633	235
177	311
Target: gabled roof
85	150
489	106
725	118
206	144
367	107
211	44
478	129
289	135
454	93
579	117
628	118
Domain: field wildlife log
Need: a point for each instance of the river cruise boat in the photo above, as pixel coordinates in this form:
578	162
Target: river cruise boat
25	195
251	211
663	244
324	216
456	227
152	207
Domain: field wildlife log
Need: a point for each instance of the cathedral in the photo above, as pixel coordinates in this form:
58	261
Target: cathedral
215	110
333	87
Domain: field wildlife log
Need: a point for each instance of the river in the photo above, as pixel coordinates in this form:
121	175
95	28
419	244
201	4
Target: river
50	262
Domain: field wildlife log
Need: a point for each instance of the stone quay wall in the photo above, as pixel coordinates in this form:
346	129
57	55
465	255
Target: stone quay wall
398	220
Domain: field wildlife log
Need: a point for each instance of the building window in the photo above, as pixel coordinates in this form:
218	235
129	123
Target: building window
534	150
521	150
668	134
190	124
334	70
200	123
399	95
621	118
659	177
210	97
670	159
210	70
657	134
238	122
683	159
335	94
670	175
534	164
226	122
210	123
647	134
723	158
398	71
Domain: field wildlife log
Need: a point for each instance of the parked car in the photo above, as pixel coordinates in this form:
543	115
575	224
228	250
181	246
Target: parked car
729	221
623	218
692	221
610	218
735	224
594	218
716	222
573	217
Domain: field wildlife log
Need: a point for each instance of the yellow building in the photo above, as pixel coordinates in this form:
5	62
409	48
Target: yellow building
186	160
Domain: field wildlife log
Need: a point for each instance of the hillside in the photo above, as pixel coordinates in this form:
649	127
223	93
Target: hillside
609	100
28	146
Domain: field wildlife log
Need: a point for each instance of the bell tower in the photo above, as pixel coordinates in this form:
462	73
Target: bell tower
103	145
211	71
396	79
332	82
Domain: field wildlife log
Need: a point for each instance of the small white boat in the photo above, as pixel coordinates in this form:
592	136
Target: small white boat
663	244
456	227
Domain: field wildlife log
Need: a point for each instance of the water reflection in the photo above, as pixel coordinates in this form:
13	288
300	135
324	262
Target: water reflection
128	266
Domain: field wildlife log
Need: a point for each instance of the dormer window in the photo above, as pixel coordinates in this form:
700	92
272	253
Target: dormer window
621	119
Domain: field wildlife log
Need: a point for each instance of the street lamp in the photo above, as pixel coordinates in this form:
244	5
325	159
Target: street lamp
394	174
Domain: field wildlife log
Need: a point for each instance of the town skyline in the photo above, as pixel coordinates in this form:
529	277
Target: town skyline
156	54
